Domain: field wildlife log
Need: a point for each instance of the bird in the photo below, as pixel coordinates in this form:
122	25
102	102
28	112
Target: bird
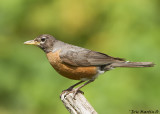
78	63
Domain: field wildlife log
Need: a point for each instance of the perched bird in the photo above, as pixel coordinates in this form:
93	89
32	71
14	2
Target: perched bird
78	63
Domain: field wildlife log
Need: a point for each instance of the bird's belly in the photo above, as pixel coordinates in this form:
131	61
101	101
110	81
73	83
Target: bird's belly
76	73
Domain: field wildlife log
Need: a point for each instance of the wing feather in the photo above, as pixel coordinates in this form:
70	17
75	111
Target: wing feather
84	57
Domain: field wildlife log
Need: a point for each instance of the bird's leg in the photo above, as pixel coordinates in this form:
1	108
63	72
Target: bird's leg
71	87
78	89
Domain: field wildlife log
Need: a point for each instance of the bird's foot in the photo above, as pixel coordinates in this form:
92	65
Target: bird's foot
75	92
67	91
72	90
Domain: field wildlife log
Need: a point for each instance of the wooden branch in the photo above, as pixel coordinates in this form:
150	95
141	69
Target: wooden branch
79	105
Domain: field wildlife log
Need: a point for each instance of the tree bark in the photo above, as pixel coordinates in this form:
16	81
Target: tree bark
79	105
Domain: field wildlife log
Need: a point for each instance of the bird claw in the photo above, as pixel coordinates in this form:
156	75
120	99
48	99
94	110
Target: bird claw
75	92
71	90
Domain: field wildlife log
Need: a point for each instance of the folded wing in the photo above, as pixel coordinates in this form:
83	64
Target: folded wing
87	58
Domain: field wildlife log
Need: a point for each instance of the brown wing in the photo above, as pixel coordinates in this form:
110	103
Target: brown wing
83	57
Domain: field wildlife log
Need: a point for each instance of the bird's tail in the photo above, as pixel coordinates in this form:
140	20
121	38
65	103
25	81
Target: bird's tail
133	64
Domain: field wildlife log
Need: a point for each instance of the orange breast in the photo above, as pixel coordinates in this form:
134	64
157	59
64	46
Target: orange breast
76	73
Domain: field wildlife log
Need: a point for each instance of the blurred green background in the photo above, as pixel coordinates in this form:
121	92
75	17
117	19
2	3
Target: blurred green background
121	28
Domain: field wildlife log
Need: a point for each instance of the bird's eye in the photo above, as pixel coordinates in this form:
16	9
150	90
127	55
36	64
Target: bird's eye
43	39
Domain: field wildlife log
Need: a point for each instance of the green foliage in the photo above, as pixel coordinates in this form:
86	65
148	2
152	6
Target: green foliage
120	28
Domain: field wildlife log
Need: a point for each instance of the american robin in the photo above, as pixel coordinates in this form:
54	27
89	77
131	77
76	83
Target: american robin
78	63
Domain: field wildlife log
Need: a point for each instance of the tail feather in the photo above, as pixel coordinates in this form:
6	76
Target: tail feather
133	64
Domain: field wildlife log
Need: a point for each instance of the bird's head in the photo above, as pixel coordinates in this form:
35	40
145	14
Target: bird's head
45	42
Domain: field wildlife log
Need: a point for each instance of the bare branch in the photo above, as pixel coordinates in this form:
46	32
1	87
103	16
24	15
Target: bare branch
79	105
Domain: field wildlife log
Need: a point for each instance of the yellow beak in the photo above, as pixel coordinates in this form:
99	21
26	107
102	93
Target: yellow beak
31	42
